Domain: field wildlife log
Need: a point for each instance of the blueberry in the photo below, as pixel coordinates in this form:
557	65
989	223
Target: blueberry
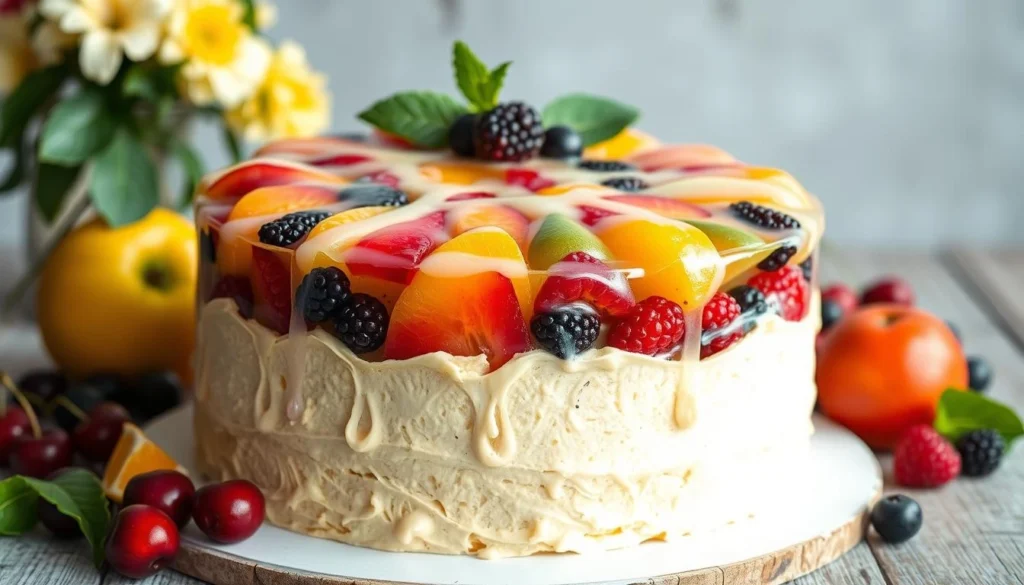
831	313
152	395
85	396
460	136
979	374
561	142
46	385
896	518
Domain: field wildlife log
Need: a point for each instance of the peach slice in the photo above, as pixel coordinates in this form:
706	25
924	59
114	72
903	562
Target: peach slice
624	144
505	218
394	253
682	156
249	176
666	206
460	173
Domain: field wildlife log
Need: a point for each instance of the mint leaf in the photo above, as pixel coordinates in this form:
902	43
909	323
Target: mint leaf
78	128
77	493
480	86
17	506
593	118
496	79
960	412
123	185
53	182
421	117
21	105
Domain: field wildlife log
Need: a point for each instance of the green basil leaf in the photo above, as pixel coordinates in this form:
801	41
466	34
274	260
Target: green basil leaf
77	493
53	183
471	75
594	118
22	104
17	506
77	129
123	185
421	117
193	166
960	412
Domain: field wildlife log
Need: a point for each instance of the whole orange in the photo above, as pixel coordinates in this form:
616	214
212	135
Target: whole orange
882	369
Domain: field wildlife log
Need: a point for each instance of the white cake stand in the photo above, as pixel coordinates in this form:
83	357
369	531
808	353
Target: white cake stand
823	515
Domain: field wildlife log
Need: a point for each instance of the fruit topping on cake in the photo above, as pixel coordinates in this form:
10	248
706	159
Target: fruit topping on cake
567	331
581	278
654	326
557	237
271	285
373	195
630	184
508	132
720	324
290	228
763	217
394	253
605	166
502	217
561	142
322	293
249	176
665	206
362	323
785	290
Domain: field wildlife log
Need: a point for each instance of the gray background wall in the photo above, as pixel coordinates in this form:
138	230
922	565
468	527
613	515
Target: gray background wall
906	117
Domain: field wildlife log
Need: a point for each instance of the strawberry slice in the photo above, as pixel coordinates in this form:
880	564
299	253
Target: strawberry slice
579	277
592	215
341	160
394	253
249	176
272	289
528	179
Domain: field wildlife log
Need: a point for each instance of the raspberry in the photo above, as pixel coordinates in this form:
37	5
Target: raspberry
654	326
271	280
288	229
372	195
762	216
924	459
579	277
322	293
237	288
981	452
605	166
630	184
566	332
362	324
717	322
785	291
509	132
777	259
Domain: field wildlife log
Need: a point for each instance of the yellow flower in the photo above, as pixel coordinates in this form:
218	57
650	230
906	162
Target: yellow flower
110	30
292	101
16	55
224	61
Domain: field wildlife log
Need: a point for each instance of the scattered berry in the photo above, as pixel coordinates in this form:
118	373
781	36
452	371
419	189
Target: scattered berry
924	459
169	491
44	384
888	290
229	512
561	142
842	295
373	195
779	258
95	437
807	266
41	456
237	288
764	217
605	166
567	331
290	228
153	394
460	135
785	290
896	518
509	132
653	326
579	277
831	313
362	324
14	425
322	293
717	322
60	525
630	184
979	373
981	452
143	541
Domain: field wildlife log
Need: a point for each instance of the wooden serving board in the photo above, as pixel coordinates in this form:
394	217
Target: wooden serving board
822	515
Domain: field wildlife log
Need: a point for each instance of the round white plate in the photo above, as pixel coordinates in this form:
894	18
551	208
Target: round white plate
843	478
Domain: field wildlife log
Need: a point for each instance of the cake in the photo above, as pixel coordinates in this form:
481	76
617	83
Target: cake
410	350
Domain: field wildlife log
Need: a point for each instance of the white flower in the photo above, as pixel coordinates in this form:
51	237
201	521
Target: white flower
110	30
224	62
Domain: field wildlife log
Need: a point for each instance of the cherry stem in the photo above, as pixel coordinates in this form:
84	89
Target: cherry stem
24	402
72	407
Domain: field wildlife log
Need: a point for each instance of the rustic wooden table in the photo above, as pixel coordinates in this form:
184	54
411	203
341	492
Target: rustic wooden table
973	531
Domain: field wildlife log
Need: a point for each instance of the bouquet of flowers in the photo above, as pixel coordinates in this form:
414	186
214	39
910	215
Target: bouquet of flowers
98	92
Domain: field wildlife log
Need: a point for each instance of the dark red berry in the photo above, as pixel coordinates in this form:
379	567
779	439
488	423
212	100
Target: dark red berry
720	324
13	425
95	437
652	327
41	456
171	492
143	541
229	512
888	290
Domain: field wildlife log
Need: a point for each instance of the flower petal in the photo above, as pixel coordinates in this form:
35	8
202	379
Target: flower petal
140	42
100	56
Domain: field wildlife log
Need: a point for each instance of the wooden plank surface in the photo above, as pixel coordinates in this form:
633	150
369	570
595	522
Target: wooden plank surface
998	279
37	559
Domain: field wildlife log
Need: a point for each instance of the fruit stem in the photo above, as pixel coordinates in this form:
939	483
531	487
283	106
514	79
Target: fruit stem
24	402
72	407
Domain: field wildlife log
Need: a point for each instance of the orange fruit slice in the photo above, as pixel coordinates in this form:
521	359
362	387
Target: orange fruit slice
134	454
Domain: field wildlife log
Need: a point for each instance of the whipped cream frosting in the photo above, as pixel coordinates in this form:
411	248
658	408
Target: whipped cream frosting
436	454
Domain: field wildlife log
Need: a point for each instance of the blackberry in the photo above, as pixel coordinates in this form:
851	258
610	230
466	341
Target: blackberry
561	142
509	132
751	300
980	452
764	217
362	324
207	247
808	267
605	166
322	293
567	331
290	228
460	136
372	195
979	374
626	183
777	259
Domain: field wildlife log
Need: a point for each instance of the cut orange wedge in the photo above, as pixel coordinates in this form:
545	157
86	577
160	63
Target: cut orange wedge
134	454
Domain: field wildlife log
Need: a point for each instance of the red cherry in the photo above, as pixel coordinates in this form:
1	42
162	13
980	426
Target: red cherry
41	456
13	425
95	437
888	290
841	295
229	512
61	526
144	540
171	492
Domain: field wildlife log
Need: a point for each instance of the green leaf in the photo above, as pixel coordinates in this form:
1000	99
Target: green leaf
594	118
77	493
77	129
495	82
16	174
249	18
421	117
193	166
17	506
960	412
151	83
234	148
22	104
53	182
123	185
477	84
